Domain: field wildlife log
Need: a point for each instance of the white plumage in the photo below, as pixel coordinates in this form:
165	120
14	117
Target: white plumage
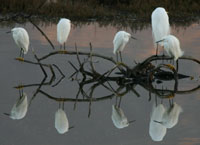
160	24
63	29
118	117
21	38
172	46
156	130
120	40
61	121
171	115
19	109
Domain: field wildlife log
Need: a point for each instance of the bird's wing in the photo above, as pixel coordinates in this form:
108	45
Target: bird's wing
160	25
63	29
22	40
61	121
118	42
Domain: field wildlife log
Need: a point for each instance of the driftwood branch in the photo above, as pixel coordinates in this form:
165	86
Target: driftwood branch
40	30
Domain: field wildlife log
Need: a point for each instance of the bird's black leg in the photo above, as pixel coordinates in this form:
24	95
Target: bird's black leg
170	103
157	50
163	53
120	53
20	93
20	54
59	105
117	56
163	56
156	100
63	105
116	100
120	100
177	65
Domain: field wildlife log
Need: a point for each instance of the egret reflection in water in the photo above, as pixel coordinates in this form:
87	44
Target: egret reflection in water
20	108
157	131
118	117
61	121
171	115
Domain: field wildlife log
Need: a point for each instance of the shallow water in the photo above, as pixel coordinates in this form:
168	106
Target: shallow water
38	125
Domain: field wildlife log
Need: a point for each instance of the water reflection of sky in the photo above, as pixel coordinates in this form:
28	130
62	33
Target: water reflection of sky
38	126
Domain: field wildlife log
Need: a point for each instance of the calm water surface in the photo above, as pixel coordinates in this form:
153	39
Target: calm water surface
38	125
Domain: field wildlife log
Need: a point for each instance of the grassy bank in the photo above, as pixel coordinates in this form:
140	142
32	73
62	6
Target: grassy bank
102	9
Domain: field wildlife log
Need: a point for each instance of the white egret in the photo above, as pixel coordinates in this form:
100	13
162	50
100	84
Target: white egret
156	130
120	40
63	29
160	25
172	47
171	115
118	117
21	38
61	121
20	108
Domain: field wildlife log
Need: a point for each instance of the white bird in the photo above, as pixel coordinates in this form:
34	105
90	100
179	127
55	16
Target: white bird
21	39
61	121
118	117
172	46
156	130
63	29
120	40
20	108
171	115
160	25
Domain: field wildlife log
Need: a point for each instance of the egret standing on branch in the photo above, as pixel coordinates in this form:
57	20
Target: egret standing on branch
63	29
21	39
160	25
172	47
120	40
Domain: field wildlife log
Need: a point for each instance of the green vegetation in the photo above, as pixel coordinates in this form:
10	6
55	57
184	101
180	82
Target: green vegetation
102	9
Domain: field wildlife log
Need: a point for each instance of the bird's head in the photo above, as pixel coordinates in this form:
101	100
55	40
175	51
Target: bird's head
12	30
